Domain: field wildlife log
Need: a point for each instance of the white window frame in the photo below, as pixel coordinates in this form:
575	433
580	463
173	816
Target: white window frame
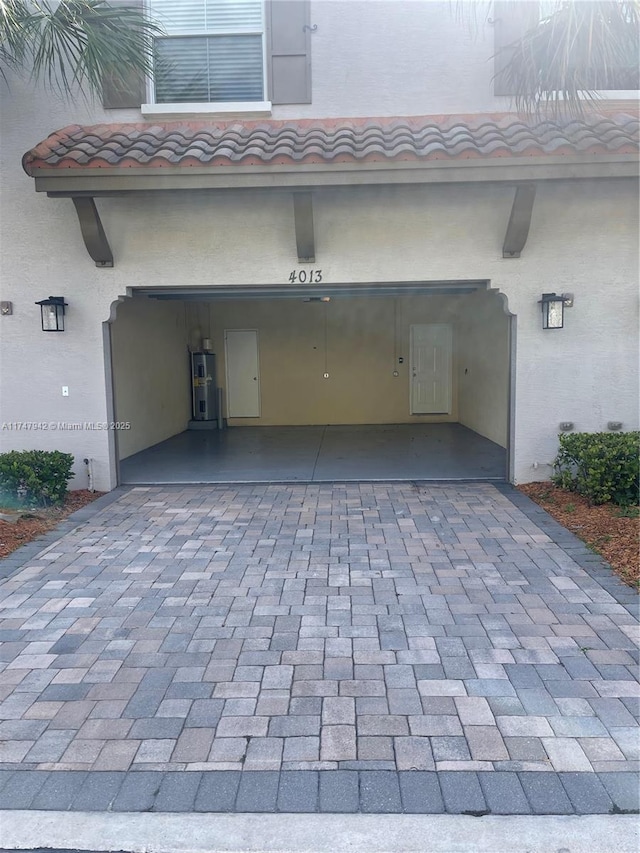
218	107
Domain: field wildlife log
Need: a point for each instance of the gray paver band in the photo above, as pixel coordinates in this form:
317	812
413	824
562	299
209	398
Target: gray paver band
324	791
372	638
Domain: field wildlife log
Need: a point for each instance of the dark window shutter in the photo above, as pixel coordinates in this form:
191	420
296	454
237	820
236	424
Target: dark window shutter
612	79
512	19
289	51
127	91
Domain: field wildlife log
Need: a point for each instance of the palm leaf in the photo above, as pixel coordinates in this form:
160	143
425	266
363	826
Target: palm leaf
577	50
76	43
17	23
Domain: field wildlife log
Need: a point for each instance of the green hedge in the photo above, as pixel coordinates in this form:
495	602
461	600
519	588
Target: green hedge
35	477
602	466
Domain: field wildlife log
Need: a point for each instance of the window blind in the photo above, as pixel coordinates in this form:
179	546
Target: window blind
213	51
209	69
180	17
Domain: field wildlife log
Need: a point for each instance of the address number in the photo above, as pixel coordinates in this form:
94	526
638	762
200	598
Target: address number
305	276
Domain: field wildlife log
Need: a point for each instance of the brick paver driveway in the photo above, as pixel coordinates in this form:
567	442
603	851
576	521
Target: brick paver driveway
401	646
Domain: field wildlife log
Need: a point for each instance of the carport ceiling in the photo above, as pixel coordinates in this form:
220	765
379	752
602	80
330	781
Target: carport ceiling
315	290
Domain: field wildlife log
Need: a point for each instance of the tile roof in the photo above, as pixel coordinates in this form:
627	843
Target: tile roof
327	141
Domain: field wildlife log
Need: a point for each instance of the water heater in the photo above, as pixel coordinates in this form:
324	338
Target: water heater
203	386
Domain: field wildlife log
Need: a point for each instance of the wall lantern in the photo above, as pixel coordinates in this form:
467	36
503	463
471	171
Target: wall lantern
52	310
553	306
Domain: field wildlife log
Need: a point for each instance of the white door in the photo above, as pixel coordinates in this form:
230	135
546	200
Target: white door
431	347
243	376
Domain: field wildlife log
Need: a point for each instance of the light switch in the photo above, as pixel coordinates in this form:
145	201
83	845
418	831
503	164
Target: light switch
65	390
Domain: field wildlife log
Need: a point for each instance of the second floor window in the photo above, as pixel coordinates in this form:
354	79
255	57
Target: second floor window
213	51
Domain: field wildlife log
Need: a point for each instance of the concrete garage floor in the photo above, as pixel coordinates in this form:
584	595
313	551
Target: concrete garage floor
318	454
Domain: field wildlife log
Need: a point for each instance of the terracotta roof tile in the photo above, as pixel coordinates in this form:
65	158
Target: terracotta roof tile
330	140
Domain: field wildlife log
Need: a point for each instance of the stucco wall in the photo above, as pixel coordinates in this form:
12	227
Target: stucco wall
399	57
483	360
362	354
150	372
406	57
583	239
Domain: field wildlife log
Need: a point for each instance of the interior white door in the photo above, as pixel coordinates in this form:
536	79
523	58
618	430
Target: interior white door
243	373
431	363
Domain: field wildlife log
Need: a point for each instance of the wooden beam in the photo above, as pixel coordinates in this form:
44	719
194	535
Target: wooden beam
303	218
519	221
92	231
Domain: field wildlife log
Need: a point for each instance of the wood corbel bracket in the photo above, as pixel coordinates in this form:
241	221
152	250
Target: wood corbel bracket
519	221
92	231
303	220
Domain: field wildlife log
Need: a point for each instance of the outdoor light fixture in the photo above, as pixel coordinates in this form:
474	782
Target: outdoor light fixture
52	310
553	310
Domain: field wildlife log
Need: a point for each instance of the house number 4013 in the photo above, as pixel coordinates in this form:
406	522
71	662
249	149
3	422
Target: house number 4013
305	276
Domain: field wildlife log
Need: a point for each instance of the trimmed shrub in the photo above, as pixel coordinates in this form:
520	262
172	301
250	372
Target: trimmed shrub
35	477
602	466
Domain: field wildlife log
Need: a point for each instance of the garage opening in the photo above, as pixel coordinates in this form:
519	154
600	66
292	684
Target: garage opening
312	383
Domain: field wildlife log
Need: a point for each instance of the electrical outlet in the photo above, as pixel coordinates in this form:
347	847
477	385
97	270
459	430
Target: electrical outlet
65	390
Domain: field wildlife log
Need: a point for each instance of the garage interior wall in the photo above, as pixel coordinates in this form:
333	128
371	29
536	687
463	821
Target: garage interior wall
483	363
150	372
365	339
358	341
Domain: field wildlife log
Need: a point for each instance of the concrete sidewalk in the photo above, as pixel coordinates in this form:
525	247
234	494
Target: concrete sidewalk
143	833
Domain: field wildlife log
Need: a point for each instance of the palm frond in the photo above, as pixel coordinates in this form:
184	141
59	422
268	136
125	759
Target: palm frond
17	23
578	49
76	43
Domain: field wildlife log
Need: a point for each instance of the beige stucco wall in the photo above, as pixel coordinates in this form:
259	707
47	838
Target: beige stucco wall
483	363
150	372
583	239
362	354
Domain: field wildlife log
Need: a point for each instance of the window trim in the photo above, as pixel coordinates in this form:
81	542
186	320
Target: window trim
181	107
208	107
